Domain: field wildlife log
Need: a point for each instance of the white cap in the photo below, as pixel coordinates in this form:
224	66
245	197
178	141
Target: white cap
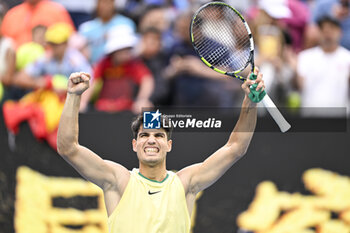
120	37
277	9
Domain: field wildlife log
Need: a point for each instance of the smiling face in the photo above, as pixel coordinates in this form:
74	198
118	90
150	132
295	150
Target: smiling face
151	146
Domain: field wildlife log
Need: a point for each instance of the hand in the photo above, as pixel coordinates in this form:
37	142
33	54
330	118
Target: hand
78	82
259	80
139	104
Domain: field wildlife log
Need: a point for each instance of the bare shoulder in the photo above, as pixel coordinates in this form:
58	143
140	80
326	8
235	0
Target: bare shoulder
185	175
121	174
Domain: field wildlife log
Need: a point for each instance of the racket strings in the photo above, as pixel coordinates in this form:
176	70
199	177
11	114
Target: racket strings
221	38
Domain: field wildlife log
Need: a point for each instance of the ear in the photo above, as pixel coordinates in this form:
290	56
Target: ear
170	145
134	145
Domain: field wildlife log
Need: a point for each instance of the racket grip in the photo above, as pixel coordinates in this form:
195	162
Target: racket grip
276	114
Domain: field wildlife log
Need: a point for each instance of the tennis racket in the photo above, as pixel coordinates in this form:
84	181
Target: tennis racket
222	39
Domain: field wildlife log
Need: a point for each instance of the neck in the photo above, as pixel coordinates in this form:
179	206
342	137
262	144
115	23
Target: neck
157	173
329	49
106	19
59	58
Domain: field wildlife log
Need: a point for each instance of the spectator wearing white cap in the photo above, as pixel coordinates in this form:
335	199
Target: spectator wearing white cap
292	15
127	82
278	39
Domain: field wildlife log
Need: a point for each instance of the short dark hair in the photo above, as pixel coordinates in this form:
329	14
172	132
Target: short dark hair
138	121
328	19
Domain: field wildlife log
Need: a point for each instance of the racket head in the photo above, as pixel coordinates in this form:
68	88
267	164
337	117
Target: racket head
222	38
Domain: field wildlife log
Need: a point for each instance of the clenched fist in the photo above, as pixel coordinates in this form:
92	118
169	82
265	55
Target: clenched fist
78	82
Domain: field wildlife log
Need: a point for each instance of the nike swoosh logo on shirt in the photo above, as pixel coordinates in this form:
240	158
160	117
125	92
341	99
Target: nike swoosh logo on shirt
151	193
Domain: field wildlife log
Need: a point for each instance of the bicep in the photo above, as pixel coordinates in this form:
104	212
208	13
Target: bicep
93	168
202	175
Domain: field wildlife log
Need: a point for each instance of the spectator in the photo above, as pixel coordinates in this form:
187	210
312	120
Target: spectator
154	16
192	82
48	78
29	52
60	61
121	74
151	53
26	54
160	18
292	16
338	9
95	31
7	61
276	56
324	71
20	20
79	12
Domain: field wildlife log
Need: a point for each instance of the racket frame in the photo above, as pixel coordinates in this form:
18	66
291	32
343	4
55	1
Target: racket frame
234	74
267	102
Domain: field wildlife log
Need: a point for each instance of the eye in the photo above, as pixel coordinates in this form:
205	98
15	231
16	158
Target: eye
160	135
142	135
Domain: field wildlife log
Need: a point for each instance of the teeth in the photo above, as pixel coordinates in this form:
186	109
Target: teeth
151	150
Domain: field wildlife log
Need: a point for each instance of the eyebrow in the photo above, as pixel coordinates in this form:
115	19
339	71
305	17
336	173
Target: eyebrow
160	133
156	134
143	133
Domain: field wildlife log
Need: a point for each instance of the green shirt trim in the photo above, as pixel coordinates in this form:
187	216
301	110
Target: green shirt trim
167	175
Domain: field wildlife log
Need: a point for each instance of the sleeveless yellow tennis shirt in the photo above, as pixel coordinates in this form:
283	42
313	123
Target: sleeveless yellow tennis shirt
149	206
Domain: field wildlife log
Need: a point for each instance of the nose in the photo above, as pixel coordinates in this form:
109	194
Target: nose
151	140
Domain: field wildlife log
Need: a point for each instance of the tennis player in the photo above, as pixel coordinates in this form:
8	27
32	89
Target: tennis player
150	199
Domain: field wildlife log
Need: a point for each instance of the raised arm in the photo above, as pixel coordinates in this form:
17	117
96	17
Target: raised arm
200	176
105	174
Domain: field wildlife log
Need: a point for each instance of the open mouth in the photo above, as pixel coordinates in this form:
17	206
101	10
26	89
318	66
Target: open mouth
151	150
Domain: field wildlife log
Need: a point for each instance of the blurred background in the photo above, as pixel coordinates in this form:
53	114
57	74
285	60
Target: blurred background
139	55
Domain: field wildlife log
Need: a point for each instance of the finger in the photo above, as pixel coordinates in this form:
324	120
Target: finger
259	77
76	80
261	86
249	82
86	74
260	81
256	70
85	77
246	85
74	75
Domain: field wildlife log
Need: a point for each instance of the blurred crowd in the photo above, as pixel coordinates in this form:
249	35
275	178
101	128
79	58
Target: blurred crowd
139	53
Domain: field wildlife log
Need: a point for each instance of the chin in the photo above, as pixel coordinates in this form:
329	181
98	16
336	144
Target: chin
151	161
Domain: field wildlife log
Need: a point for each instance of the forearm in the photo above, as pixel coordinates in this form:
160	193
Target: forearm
7	78
23	80
146	88
68	130
243	132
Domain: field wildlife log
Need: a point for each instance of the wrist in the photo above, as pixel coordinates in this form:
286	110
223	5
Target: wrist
248	103
73	93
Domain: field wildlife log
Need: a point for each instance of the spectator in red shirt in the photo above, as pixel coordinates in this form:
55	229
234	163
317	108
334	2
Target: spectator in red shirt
127	82
20	20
